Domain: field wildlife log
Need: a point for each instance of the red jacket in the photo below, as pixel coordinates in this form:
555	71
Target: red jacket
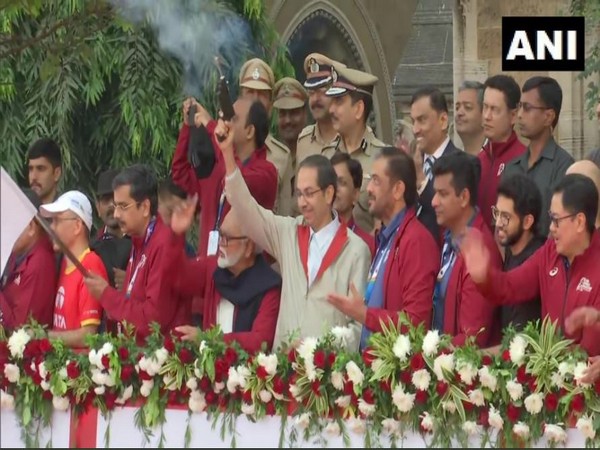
31	288
368	238
466	310
561	290
196	278
260	176
154	297
494	157
410	272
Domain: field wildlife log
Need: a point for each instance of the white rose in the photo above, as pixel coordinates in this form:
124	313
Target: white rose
202	347
12	373
495	419
153	367
421	379
342	335
125	396
146	388
376	364
555	433
295	391
332	429
110	379
307	348
143	363
354	373
402	400
337	380
265	396
515	390
45	385
557	380
303	421
470	427
107	348
161	356
476	397
565	368
585	425
218	387
60	403
449	406
431	343
269	363
344	401
358	426
521	429
7	401
426	422
534	403
197	402
467	372
192	384
401	347
366	408
98	377
243	375
578	374
248	408
441	364
63	372
169	382
42	370
99	390
517	349
17	343
488	379
391	427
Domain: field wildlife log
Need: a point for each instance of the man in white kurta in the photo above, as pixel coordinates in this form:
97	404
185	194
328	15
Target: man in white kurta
317	255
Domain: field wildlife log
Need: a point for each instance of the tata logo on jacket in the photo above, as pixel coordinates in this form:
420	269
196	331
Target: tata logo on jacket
543	43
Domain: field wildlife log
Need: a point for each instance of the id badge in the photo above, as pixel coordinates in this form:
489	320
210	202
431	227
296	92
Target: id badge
213	243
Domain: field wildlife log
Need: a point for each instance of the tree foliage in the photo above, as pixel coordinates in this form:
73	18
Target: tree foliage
99	83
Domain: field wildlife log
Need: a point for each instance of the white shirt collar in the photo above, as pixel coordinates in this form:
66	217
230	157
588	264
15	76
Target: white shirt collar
326	234
440	151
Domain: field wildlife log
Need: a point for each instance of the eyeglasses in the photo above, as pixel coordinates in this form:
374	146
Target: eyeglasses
556	220
501	216
528	106
225	240
124	206
306	194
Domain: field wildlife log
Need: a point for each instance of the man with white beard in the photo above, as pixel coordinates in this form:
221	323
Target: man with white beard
239	289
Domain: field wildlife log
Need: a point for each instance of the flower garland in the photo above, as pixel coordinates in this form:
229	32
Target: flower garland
406	381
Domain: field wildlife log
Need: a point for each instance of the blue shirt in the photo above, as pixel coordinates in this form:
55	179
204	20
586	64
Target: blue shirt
374	290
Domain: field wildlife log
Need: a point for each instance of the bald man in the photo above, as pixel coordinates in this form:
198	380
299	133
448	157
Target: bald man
590	170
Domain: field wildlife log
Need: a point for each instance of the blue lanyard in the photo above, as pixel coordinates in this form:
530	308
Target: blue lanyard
220	210
142	261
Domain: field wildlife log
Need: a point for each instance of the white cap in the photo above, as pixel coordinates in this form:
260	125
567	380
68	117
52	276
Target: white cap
73	201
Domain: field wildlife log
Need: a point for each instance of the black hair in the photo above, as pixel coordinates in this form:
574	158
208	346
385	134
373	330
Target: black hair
354	167
579	195
326	175
259	119
525	195
465	170
367	101
46	148
508	86
401	167
142	183
437	99
549	91
168	187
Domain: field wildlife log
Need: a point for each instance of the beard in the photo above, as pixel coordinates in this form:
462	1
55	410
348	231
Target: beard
512	239
226	261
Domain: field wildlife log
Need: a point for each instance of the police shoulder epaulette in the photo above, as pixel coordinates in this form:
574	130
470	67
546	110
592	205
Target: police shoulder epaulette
306	131
277	143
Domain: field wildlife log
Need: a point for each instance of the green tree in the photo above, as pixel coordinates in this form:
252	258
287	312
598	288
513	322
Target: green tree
102	83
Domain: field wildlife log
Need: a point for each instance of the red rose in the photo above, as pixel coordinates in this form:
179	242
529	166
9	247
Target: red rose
483	417
173	397
32	349
368	357
72	370
292	355
597	387
551	402
279	386
47	395
316	388
169	345
204	384
223	401
368	396
406	377
468	405
513	412
247	396
221	367
385	385
186	356
578	403
261	373
522	376
506	355
270	408
532	384
37	379
184	390
320	359
123	354
211	398
348	388
105	361
421	397
331	359
127	372
45	346
417	362
231	356
110	399
441	388
144	376
486	360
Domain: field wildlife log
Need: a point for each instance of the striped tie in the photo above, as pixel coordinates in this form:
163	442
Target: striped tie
428	167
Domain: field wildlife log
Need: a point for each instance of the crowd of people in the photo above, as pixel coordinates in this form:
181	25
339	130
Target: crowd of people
328	226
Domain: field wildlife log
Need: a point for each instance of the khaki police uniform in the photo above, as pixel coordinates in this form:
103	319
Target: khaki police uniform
344	81
256	74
